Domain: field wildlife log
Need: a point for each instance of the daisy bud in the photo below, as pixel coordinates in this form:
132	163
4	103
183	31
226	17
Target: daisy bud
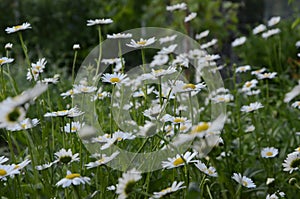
292	181
8	46
76	47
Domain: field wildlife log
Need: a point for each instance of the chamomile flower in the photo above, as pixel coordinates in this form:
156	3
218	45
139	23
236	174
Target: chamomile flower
23	125
73	112
103	159
10	114
243	69
3	159
141	43
51	80
190	17
250	128
7	171
238	41
292	162
270	33
13	29
202	34
73	127
180	86
119	36
115	78
258	29
167	39
273	21
209	44
159	60
72	178
259	71
179	160
65	156
252	107
174	120
167	50
222	98
22	164
267	75
76	47
100	95
179	6
80	88
162	72
296	104
127	182
93	22
70	93
5	60
8	46
243	180
269	152
292	94
249	85
44	166
211	171
173	188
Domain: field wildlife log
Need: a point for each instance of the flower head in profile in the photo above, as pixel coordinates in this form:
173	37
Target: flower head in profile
73	127
270	33
119	36
5	60
102	160
179	160
202	34
126	183
252	107
73	112
93	22
269	152
24	124
73	178
292	162
8	46
7	171
238	41
190	17
179	6
141	43
243	180
258	29
115	78
243	69
267	75
166	191
17	28
211	171
273	21
167	39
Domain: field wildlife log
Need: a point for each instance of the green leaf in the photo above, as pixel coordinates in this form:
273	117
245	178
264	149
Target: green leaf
296	23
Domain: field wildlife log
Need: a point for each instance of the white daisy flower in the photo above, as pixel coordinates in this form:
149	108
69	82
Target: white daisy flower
179	87
13	29
222	98
22	164
267	75
259	71
252	107
44	166
269	152
296	104
73	112
243	180
273	21
181	60
179	6
238	41
167	50
8	46
249	85
202	34
250	128
66	157
242	69
252	92
126	183
162	72
5	60
103	159
7	171
73	127
270	33
111	188
100	95
72	178
270	181
173	188
119	36
115	78
190	17
84	88
76	47
92	22
174	120
167	39
141	43
178	161
39	65
159	60
278	194
258	29
70	93
10	114
3	159
292	162
209	44
23	125
211	171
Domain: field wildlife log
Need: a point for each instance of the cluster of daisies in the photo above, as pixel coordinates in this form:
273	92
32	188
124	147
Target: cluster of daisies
11	170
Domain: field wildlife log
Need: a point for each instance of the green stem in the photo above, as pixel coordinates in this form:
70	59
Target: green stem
73	67
100	49
24	49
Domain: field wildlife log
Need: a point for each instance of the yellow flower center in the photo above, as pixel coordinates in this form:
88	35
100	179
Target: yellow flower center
114	80
166	190
221	99
100	95
248	84
189	86
158	71
1	61
142	42
201	127
178	120
269	153
18	27
210	171
71	92
119	138
178	161
182	128
38	67
101	160
23	126
2	172
74	128
245	183
17	166
72	176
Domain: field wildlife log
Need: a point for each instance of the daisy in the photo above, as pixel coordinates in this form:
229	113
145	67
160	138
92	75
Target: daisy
296	104
179	87
44	166
276	195
267	75
10	114
3	159
7	170
39	65
238	41
211	171
242	69
51	80
73	127
23	125
126	183
66	157
70	93
167	50
76	47
141	43
292	162
91	22
22	164
202	34
100	95
190	17
270	33
84	88
243	180
250	128
269	152
249	85
222	98
13	29
73	112
258	29
8	46
162	72
179	6
119	36
259	71
115	78
209	44
270	180
252	92
159	60
173	188
103	159
179	160
252	107
273	21
181	60
174	120
167	39
5	60
72	178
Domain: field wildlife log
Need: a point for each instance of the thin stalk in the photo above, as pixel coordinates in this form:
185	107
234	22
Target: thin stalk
100	49
73	66
24	49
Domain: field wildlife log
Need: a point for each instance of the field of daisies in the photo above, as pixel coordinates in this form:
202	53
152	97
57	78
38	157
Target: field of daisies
221	127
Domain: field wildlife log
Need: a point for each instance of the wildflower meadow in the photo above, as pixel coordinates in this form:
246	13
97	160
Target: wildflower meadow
153	112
